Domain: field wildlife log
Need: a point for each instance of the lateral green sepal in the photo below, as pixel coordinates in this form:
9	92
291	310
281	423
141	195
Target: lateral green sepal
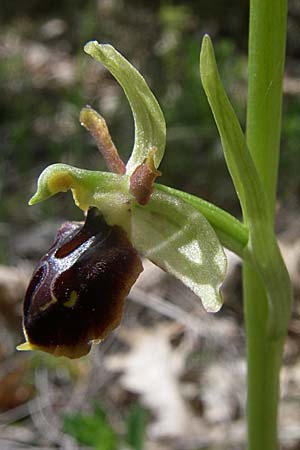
179	239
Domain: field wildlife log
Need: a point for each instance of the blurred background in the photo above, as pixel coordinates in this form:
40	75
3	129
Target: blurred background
172	377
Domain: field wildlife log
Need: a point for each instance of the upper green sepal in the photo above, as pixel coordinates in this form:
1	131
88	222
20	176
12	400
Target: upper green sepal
149	122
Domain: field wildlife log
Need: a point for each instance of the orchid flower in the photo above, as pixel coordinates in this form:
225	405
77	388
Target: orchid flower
78	288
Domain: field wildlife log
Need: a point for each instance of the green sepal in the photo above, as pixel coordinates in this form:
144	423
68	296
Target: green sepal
149	122
179	239
231	232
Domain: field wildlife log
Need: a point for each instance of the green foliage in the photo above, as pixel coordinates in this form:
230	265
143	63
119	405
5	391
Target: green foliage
95	430
289	182
136	423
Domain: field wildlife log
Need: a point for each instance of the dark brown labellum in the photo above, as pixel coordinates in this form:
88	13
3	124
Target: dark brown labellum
78	288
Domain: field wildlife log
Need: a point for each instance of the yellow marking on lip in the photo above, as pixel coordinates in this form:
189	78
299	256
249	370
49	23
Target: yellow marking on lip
25	347
72	300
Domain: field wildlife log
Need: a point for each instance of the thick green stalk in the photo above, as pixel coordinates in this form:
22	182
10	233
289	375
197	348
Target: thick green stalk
263	364
265	72
267	37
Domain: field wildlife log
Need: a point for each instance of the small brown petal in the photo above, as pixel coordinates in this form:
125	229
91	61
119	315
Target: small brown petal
142	179
77	291
96	125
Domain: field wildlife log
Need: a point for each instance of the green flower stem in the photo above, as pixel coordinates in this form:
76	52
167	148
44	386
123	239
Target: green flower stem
231	232
266	60
263	366
267	37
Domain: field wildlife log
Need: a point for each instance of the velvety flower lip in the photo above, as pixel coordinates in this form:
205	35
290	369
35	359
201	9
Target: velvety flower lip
78	288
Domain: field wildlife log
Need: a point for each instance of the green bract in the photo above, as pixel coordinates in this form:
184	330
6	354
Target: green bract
239	162
262	248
